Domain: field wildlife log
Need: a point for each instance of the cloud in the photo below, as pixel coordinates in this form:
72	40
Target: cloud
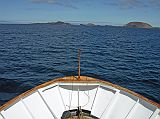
64	3
128	4
123	4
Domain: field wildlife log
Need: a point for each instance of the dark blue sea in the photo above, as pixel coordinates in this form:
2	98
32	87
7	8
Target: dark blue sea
33	54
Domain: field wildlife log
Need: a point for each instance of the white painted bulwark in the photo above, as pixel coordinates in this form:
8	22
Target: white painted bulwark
37	107
16	111
54	101
100	100
155	114
158	116
1	116
122	105
143	112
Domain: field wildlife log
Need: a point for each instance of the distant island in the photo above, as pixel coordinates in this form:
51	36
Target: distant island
60	23
56	23
138	25
89	24
128	25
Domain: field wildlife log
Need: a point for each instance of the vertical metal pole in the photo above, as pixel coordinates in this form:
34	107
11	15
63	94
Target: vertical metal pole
79	64
78	96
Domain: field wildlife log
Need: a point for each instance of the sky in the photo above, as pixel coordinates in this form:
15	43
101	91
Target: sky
111	12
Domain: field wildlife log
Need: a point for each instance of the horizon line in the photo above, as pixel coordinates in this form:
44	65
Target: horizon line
73	22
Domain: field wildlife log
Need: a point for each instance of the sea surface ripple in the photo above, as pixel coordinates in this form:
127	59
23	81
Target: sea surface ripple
33	54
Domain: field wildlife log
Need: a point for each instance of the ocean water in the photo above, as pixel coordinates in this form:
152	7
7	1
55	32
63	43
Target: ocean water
33	54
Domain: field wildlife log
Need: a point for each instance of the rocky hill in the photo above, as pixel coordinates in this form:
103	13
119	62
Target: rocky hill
138	25
60	23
